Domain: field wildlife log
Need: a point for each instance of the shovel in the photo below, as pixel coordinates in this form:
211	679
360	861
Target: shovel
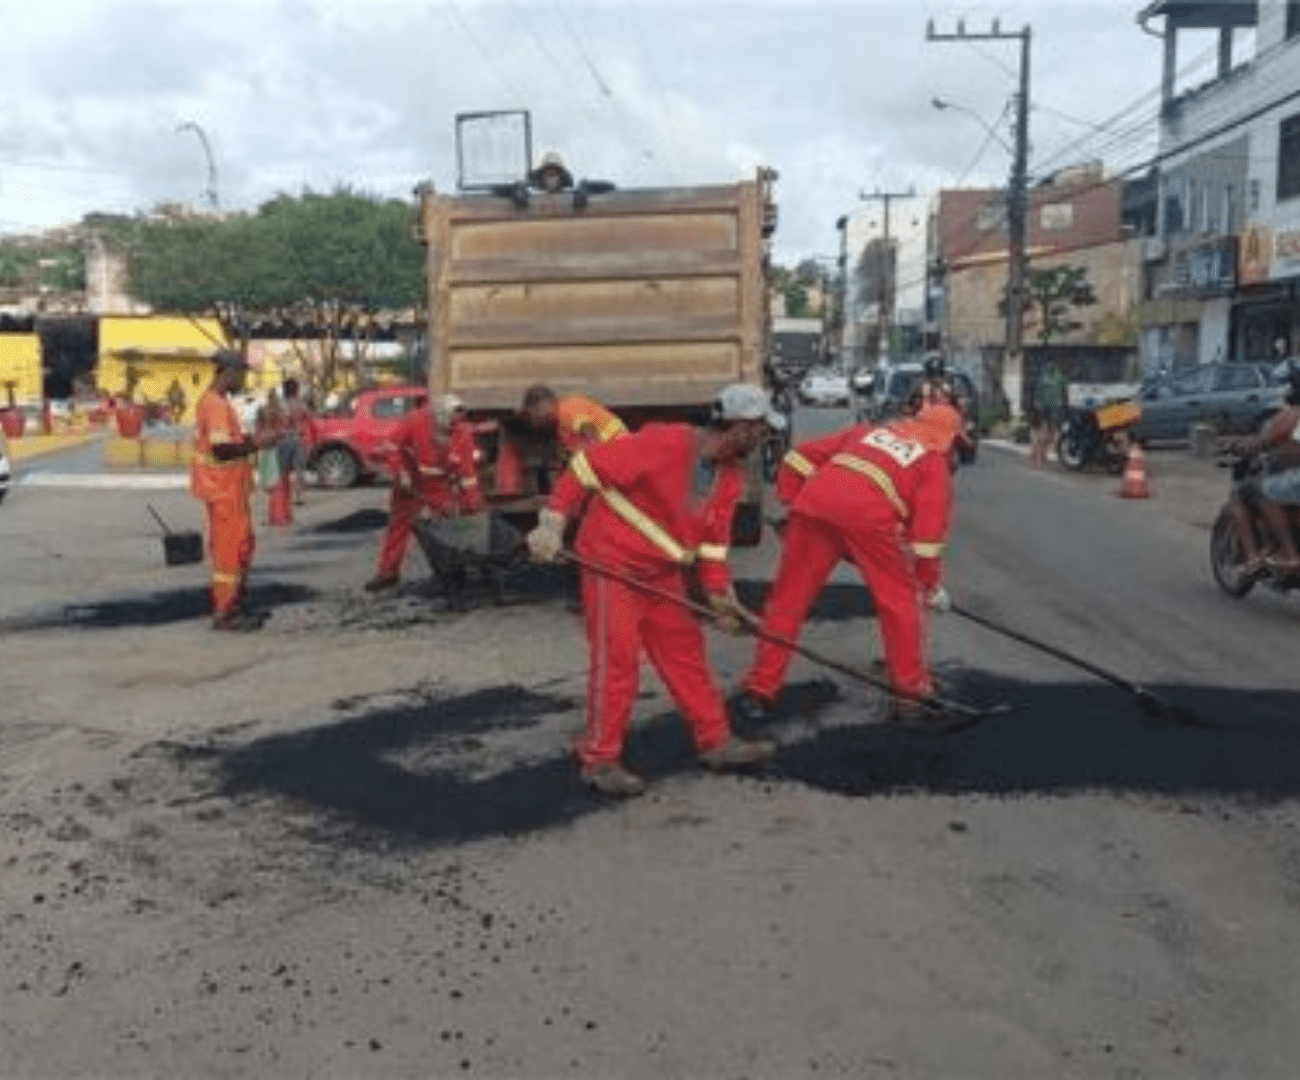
179	548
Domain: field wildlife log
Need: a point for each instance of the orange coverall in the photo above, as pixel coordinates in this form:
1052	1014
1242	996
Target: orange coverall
654	512
880	497
224	488
426	472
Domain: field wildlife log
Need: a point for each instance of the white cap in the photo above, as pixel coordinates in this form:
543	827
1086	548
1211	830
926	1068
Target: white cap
744	401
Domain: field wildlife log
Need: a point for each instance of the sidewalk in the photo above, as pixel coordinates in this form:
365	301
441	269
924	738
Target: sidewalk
1189	489
30	447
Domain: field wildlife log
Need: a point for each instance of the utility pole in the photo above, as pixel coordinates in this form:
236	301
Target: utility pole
885	287
842	288
1010	378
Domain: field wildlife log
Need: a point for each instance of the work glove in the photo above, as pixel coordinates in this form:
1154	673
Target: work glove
937	599
547	540
728	614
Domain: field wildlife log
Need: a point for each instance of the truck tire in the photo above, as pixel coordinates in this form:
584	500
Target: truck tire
337	467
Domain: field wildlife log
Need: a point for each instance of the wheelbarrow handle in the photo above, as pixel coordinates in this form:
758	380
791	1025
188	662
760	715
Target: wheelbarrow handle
158	518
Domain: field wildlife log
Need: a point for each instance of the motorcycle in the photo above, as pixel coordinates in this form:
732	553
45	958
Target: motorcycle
1226	561
1097	437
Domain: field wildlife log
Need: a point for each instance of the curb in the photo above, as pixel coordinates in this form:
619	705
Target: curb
102	482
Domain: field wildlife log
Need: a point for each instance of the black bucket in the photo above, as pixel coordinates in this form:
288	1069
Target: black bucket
182	548
179	548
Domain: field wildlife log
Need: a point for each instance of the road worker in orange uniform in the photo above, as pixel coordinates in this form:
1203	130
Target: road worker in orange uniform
880	496
658	502
575	422
434	465
221	475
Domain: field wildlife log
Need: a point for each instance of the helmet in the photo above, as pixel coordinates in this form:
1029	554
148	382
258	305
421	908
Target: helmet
934	366
936	427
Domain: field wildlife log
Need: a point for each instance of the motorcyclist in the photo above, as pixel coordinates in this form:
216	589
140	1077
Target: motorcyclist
1271	494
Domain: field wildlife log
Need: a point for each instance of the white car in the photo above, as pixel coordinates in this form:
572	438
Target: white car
4	466
825	388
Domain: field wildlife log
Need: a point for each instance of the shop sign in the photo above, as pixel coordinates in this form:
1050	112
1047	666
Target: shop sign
1255	249
1286	253
1206	268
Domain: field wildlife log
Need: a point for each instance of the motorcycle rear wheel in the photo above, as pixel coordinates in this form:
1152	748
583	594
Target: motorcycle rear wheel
1225	557
1070	452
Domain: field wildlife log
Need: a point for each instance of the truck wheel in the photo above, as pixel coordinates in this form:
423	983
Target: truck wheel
1225	557
337	467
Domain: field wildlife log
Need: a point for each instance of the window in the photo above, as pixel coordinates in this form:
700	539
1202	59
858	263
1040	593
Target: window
1194	382
1292	19
1056	217
389	408
1288	158
1237	377
991	216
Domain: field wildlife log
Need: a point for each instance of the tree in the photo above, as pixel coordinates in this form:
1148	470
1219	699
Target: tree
329	264
1054	292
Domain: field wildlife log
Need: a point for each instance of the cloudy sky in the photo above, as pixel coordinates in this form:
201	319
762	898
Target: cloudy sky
316	93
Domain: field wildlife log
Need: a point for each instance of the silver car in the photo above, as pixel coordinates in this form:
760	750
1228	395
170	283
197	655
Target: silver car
1234	398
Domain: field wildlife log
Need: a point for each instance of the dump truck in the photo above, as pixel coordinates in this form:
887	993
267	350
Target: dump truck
647	300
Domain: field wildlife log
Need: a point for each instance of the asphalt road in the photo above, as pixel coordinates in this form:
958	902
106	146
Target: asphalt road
355	846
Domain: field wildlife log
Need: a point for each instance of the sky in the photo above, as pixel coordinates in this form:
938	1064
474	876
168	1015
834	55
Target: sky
99	99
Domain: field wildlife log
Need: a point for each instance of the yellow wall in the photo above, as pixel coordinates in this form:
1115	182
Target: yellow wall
20	361
164	349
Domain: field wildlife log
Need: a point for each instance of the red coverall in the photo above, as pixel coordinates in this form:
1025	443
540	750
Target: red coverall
426	472
875	495
651	516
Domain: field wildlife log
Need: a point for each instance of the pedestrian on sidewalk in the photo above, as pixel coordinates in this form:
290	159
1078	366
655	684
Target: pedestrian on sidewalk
272	474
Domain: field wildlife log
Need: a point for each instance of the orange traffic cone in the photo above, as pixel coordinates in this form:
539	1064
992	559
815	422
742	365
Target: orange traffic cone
1135	475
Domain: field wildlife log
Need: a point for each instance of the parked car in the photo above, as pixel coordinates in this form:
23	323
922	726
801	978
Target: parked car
345	439
1235	398
825	388
892	390
863	380
4	466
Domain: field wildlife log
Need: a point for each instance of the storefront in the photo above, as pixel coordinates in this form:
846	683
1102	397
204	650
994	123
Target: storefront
1266	309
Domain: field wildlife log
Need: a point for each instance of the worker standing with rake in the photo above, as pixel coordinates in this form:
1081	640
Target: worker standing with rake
661	501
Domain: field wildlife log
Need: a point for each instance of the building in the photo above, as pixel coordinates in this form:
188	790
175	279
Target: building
1222	274
1074	219
886	281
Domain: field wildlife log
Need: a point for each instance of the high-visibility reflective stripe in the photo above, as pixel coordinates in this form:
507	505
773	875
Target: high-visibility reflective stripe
876	475
584	472
471	481
225	579
629	511
798	463
216	438
927	551
717	552
646	526
612	428
432	470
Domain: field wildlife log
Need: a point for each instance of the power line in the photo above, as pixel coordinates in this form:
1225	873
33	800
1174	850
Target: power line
463	25
582	51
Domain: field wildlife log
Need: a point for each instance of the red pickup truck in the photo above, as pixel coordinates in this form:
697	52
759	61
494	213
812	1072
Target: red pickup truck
344	442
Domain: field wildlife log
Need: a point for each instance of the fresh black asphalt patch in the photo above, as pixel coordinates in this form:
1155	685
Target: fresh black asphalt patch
366	520
428	768
156	609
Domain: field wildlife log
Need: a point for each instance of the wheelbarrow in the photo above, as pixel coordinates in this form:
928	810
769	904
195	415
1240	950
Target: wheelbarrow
179	548
464	551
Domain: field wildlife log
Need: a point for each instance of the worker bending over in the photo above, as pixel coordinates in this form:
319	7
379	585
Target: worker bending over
434	465
661	501
880	496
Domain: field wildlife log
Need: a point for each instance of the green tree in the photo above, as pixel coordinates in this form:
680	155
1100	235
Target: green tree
328	263
1053	293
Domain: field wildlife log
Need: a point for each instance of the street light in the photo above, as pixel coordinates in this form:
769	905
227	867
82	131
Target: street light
190	125
941	105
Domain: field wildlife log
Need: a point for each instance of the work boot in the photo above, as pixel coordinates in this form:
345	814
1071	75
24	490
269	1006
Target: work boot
611	779
919	714
237	622
381	583
749	711
738	753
